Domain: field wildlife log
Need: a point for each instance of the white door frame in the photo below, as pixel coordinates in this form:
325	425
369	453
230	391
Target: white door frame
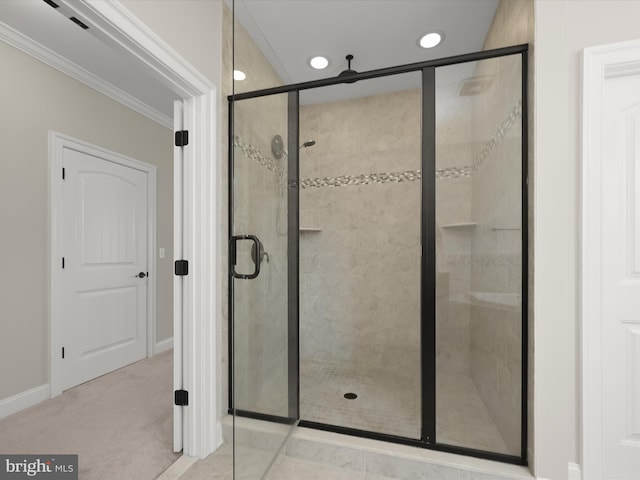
58	142
202	428
599	63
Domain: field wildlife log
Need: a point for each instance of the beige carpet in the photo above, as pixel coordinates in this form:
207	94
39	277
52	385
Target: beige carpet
120	424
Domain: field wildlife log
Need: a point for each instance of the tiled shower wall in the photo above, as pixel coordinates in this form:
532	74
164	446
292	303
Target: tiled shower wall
360	273
360	266
453	244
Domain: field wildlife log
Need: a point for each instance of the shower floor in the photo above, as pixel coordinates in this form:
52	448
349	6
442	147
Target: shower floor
388	404
385	403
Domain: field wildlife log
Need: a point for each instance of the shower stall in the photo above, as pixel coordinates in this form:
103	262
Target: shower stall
378	257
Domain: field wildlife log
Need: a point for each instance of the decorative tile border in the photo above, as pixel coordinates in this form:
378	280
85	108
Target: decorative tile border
449	173
391	177
500	133
344	180
252	153
483	260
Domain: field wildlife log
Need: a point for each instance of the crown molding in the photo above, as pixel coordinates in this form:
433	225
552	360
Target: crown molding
116	24
25	44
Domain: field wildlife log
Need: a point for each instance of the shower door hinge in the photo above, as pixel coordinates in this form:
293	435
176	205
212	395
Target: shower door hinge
182	267
182	138
181	398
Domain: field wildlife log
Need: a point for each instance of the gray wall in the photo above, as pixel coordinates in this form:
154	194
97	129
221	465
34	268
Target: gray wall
563	30
35	99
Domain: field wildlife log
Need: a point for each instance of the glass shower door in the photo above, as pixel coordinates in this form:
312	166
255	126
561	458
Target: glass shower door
263	278
479	254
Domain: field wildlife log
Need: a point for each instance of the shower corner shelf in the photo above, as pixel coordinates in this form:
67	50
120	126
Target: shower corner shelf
310	229
460	225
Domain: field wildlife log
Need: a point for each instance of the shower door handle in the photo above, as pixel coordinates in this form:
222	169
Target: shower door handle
233	255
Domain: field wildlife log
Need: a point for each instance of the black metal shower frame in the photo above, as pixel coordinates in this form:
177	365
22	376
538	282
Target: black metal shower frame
428	256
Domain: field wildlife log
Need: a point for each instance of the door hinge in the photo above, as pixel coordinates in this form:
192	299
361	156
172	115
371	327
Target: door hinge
181	398
62	352
62	262
182	267
182	138
63	173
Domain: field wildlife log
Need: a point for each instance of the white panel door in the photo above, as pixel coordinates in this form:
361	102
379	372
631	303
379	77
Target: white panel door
621	278
104	244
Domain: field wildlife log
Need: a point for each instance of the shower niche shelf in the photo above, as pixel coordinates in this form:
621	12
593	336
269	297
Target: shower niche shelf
461	225
310	229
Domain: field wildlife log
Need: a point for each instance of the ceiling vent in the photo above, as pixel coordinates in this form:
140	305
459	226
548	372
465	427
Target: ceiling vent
79	23
475	85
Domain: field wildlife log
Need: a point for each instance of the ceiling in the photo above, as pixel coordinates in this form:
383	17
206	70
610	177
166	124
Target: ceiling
379	33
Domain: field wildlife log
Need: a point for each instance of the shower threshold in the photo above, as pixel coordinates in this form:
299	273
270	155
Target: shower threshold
324	449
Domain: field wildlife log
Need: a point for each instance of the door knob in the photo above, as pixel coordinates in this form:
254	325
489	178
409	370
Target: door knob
141	275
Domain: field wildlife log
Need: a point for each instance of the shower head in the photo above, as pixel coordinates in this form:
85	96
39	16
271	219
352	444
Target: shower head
349	71
307	144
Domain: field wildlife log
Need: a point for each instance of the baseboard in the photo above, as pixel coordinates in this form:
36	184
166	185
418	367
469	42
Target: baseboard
575	473
20	401
164	345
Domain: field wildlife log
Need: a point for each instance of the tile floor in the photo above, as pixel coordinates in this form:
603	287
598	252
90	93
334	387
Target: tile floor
391	405
385	403
219	466
462	417
289	468
310	454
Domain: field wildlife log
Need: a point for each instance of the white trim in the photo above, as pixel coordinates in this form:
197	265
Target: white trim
200	300
598	63
22	400
574	472
163	346
118	27
57	142
51	58
113	22
178	254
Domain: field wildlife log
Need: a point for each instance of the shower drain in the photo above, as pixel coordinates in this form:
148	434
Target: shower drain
350	396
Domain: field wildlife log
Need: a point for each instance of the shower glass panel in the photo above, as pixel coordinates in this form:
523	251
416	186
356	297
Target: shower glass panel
479	247
377	243
264	366
360	254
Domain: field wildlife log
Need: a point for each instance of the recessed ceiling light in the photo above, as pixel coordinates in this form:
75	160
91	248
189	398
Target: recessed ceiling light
430	40
319	62
239	75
